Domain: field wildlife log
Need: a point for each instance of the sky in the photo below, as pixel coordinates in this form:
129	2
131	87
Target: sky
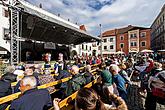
110	14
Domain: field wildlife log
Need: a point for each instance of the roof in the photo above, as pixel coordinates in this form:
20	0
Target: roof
109	33
122	30
40	25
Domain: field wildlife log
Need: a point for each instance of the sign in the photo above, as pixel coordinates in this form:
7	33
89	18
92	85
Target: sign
49	45
3	52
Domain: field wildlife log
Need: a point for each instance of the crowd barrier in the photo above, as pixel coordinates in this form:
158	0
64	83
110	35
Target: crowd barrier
16	95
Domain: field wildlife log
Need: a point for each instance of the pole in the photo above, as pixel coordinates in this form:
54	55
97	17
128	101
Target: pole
101	50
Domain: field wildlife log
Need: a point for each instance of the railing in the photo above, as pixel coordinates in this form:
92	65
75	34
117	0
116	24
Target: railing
15	95
66	102
14	83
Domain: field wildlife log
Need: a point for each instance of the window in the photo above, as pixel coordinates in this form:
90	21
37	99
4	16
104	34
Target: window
121	37
143	34
105	47
133	35
105	40
86	47
5	13
90	48
143	44
133	43
111	46
6	34
74	46
111	40
121	45
82	46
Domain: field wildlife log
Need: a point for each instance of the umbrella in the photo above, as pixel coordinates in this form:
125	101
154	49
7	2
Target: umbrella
161	50
146	50
120	52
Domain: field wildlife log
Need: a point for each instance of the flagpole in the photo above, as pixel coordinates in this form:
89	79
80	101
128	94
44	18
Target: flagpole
101	50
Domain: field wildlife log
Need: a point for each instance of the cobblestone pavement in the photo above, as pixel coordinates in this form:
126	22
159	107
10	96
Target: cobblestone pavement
136	100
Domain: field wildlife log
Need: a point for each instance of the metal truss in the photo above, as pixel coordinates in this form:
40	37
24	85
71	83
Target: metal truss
14	32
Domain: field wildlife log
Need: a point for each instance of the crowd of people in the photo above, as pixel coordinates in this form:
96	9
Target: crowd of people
114	78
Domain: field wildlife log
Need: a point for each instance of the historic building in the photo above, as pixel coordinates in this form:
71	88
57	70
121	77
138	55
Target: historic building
128	39
158	31
109	42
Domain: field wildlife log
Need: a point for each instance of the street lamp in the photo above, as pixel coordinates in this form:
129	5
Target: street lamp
101	50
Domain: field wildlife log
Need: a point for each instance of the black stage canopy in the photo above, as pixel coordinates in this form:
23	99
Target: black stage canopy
40	25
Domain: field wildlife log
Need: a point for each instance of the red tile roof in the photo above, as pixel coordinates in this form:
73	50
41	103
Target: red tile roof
109	33
121	30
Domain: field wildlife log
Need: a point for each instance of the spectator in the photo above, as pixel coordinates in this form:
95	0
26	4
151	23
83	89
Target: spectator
157	68
124	74
88	99
47	78
9	69
119	81
10	77
76	82
106	78
88	75
28	72
5	89
155	91
63	74
32	98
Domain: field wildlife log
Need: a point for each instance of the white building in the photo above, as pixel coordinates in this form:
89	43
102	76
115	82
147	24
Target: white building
85	49
109	45
4	30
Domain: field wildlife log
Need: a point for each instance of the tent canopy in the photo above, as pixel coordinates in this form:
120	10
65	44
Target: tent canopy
119	52
40	25
146	50
161	50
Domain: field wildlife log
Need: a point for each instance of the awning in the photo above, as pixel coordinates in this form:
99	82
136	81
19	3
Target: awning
40	25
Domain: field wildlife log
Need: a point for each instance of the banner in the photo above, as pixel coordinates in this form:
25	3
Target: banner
49	45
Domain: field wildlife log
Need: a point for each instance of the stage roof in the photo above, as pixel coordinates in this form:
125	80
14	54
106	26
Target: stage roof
40	25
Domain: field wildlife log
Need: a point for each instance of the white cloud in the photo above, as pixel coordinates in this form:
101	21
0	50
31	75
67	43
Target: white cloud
119	13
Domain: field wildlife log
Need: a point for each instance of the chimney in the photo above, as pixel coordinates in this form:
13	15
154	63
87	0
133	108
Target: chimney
40	5
82	27
129	25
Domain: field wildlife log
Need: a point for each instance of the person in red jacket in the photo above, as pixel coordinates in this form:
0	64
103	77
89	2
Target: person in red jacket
150	66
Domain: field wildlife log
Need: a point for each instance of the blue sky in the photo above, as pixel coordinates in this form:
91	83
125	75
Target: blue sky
110	13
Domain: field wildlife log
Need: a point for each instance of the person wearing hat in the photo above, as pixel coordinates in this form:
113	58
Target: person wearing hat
106	78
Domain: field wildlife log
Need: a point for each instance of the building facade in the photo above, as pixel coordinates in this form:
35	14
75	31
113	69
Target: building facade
85	49
4	30
158	31
109	42
129	39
